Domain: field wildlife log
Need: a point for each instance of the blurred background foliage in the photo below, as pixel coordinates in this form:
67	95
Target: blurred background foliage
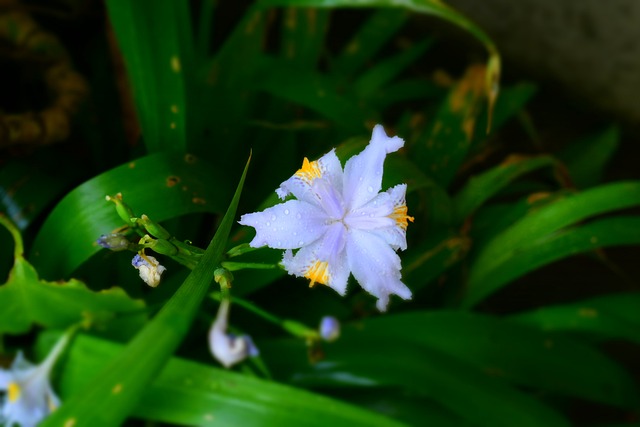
522	258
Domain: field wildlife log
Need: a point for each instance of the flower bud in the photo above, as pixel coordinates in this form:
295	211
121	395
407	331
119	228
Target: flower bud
329	328
227	348
114	241
153	228
123	210
162	246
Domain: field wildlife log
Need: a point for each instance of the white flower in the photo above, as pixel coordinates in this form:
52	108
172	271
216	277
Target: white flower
329	328
149	268
29	396
227	348
341	222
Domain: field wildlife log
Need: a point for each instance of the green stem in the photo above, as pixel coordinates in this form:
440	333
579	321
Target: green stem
235	266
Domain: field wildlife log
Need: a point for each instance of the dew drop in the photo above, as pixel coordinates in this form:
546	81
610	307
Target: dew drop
279	243
360	179
298	216
273	217
295	233
286	211
268	223
370	189
370	215
301	242
275	229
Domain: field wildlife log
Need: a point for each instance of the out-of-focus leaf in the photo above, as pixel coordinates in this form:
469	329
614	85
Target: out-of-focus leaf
371	36
160	69
537	227
586	159
607	317
511	101
491	74
356	361
189	393
317	92
25	300
385	71
498	349
161	186
428	260
114	391
25	191
303	34
597	234
482	187
441	150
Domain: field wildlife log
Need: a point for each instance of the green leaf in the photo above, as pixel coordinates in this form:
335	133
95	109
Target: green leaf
370	82
481	188
370	37
25	300
603	318
162	186
160	68
587	159
114	391
359	361
303	34
189	393
443	147
538	226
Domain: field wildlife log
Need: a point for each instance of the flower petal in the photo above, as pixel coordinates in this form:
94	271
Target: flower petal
373	215
327	166
289	225
323	261
396	234
228	350
363	172
375	266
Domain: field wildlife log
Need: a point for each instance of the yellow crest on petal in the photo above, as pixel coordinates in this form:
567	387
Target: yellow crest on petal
318	273
13	392
309	171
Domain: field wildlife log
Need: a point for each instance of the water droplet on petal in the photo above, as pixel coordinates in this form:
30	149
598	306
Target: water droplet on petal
286	211
273	217
370	215
298	216
370	189
268	223
301	242
360	179
295	233
279	243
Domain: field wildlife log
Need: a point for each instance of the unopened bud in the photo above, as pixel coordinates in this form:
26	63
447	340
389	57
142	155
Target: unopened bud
329	328
123	210
153	228
114	241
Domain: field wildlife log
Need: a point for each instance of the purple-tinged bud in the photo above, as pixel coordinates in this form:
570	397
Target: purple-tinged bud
114	241
329	328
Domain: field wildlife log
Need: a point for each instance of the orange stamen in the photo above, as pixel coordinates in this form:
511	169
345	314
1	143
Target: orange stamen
400	216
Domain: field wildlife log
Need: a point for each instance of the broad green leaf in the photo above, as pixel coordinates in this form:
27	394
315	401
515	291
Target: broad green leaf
26	301
496	349
613	316
189	393
519	354
538	226
114	391
587	158
360	361
162	186
482	187
160	69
